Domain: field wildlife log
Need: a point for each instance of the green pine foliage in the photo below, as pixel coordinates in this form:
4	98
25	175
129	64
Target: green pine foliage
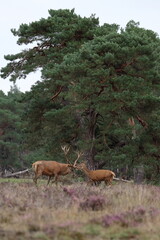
10	130
99	90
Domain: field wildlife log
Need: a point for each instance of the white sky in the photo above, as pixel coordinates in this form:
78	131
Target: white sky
15	12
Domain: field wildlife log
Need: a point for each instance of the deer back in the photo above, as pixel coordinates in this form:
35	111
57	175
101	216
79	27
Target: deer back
46	167
100	175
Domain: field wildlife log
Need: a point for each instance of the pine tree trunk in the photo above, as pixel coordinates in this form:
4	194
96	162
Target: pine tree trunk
87	123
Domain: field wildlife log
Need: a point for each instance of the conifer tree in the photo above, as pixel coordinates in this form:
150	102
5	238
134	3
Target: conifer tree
10	130
99	90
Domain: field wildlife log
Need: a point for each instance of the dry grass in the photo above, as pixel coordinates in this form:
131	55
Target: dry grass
80	212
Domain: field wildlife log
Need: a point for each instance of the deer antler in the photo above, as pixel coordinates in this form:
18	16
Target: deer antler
79	154
66	149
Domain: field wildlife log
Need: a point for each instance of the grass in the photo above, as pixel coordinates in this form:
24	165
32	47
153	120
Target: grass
77	211
15	180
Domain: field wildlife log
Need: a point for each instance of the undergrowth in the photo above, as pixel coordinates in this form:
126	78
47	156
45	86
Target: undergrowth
78	211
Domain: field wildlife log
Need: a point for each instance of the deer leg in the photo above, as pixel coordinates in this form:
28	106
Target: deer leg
35	179
90	182
96	183
49	178
37	175
108	182
55	179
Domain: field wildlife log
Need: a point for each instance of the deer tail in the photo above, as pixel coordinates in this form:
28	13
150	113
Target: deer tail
35	167
113	174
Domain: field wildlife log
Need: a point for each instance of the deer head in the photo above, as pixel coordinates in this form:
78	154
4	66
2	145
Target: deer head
81	166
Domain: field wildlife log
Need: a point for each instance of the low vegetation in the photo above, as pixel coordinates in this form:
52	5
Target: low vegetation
98	93
78	211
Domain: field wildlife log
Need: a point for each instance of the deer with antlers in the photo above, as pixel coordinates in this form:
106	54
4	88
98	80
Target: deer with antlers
53	168
96	175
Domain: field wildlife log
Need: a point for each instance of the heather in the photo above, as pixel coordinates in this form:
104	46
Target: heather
98	93
78	211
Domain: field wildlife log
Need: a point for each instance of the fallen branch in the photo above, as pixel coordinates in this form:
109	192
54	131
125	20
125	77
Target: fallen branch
16	173
123	180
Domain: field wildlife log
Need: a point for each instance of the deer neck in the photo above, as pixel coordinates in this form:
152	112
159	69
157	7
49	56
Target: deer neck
86	171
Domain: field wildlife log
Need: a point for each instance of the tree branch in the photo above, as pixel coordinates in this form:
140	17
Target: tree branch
142	122
57	93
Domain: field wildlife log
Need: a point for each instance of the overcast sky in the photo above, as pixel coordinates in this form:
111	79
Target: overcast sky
15	12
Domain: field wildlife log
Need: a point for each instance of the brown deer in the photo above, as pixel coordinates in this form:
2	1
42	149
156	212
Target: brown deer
97	175
53	168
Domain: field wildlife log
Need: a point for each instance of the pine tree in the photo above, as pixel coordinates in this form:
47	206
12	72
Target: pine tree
99	90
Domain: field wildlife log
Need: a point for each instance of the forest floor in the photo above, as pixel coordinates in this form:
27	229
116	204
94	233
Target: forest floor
77	211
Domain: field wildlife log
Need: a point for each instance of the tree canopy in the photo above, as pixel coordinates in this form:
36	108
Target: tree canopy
99	89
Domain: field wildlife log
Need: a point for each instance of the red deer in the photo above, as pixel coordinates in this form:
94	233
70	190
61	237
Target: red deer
53	168
97	175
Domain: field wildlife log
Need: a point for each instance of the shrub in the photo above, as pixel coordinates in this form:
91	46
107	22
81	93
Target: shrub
94	203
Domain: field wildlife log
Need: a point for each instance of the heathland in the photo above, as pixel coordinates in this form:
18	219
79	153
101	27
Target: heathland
78	211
